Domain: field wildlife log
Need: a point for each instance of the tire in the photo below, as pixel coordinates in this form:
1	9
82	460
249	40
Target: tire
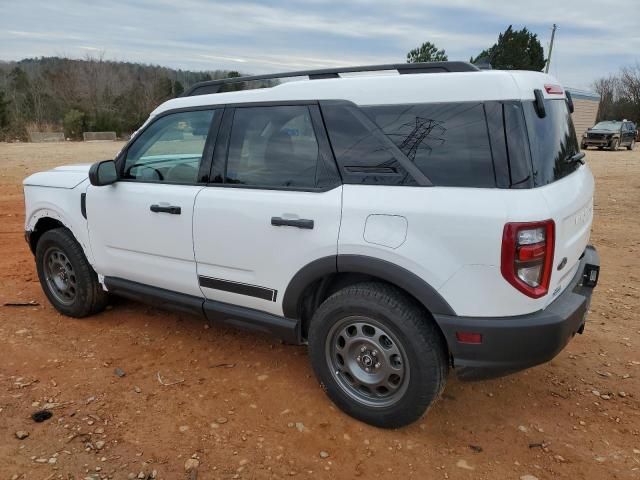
68	281
377	326
584	147
631	145
614	145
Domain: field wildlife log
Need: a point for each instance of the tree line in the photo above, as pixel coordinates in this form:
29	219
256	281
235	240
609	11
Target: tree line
620	95
92	94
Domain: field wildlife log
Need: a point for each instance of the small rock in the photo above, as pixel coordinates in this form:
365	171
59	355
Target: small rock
522	428
142	475
183	428
528	477
636	451
131	476
300	426
596	393
324	454
21	434
622	394
137	389
99	444
99	430
221	420
191	464
476	448
559	458
262	377
605	397
119	372
464	465
53	460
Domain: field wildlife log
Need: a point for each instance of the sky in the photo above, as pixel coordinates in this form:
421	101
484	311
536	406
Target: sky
594	38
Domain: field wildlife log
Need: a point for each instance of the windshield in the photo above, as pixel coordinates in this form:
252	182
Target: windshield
553	141
613	126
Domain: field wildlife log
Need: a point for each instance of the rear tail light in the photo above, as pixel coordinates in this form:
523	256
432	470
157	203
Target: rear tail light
527	256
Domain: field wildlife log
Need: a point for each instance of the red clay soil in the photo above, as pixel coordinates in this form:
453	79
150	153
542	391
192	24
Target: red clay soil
246	406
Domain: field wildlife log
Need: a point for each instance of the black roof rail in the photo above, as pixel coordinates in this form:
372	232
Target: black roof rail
213	86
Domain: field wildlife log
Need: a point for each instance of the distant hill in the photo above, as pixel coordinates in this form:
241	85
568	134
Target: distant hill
51	93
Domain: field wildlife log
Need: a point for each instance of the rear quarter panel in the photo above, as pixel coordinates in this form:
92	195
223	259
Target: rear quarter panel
454	236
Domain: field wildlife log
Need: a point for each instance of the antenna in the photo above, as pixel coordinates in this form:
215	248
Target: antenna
553	34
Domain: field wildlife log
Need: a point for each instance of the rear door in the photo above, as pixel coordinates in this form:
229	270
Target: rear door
141	226
275	205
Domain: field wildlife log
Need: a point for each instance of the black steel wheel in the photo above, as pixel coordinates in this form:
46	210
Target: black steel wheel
66	277
59	275
378	354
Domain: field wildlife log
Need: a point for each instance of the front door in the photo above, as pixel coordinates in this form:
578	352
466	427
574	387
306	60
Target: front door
140	227
276	208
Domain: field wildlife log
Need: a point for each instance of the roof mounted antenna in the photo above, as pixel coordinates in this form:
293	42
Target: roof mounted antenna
213	86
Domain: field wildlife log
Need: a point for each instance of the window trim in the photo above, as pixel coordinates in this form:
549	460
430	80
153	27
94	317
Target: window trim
207	151
221	152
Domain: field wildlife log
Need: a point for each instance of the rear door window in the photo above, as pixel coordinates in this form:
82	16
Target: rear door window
273	147
553	141
448	142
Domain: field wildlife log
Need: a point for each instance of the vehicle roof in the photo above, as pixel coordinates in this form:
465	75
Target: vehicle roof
386	89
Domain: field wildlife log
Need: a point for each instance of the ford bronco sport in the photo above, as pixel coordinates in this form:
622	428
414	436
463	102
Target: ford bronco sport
434	217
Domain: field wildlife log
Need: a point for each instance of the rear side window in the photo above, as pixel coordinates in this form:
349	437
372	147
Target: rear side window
273	147
553	141
448	142
363	154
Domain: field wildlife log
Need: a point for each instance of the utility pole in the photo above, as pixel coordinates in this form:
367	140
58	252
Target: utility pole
553	34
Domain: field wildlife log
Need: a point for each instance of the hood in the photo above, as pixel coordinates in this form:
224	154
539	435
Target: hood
66	176
600	130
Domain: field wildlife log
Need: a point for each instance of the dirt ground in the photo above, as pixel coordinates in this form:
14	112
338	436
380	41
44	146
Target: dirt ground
247	406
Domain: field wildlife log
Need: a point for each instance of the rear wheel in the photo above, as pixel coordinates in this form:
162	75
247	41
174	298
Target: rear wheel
378	355
631	145
614	145
66	277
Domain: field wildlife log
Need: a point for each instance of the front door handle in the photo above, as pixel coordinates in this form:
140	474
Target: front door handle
172	209
285	222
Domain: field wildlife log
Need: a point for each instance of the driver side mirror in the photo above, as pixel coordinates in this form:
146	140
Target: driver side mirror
103	173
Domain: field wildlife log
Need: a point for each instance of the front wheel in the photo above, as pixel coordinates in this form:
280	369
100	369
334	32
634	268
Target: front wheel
66	277
614	145
631	145
378	354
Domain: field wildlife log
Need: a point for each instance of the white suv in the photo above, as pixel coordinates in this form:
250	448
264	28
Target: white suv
402	224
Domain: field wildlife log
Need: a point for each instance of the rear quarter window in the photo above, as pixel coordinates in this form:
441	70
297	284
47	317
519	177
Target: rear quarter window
448	142
552	140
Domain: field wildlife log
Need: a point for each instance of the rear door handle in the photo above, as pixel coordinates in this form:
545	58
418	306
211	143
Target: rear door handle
285	222
172	209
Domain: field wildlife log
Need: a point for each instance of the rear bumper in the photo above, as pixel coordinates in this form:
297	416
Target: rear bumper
510	344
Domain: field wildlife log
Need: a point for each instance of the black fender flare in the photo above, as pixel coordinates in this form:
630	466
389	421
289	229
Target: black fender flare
382	269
